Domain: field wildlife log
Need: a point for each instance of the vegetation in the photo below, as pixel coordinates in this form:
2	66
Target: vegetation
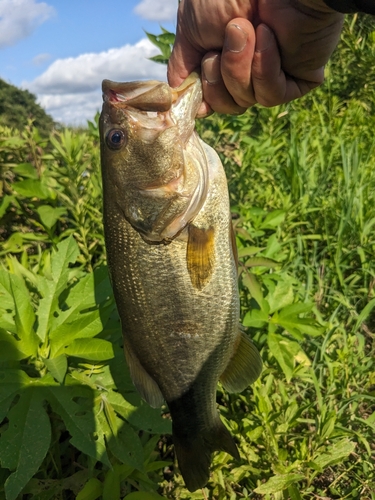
302	183
18	107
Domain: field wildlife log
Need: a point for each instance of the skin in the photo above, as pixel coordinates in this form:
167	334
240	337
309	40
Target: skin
253	51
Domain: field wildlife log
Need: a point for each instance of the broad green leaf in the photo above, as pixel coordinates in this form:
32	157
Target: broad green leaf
294	493
273	248
50	215
284	350
87	326
18	242
248	251
139	414
274	219
252	284
67	252
91	349
296	309
7	322
10	349
298	327
75	405
92	490
6	295
278	483
57	367
117	370
12	382
19	269
24	444
162	42
6	202
92	290
26	170
112	485
261	262
256	318
32	188
24	316
328	425
339	452
159	59
158	464
281	296
126	445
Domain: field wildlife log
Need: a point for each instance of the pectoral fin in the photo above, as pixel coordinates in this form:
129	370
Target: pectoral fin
200	255
244	367
145	385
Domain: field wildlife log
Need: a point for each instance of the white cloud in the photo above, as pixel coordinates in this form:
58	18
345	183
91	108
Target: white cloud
157	10
70	89
19	18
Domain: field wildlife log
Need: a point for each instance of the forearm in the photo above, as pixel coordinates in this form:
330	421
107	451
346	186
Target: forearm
347	6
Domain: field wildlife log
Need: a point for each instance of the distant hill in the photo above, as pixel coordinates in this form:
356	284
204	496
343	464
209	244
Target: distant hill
17	106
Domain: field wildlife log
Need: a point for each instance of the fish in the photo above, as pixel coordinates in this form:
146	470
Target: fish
171	255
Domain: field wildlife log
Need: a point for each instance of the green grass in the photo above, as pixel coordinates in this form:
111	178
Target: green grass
302	186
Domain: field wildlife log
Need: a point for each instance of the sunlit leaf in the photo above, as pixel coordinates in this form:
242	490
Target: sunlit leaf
92	349
278	483
67	252
50	215
25	442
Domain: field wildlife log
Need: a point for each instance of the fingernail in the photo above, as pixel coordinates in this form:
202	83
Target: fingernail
211	69
264	38
235	38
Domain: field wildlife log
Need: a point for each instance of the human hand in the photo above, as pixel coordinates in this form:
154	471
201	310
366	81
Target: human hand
266	51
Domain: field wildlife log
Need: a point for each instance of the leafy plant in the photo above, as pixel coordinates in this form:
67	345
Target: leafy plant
60	357
302	183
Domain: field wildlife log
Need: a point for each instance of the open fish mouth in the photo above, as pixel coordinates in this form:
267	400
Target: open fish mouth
144	96
151	95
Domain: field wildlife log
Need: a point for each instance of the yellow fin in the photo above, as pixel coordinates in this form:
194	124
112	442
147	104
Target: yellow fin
200	255
145	385
244	367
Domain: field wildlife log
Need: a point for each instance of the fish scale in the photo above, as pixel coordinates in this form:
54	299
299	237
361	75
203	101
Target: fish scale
170	251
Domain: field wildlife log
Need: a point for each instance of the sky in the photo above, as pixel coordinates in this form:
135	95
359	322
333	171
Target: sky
61	50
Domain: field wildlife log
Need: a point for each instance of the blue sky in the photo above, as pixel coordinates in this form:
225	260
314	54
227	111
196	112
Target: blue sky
61	49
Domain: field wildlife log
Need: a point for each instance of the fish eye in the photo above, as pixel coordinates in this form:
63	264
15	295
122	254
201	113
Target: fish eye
115	139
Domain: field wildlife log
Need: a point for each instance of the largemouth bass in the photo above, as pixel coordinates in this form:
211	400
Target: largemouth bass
171	256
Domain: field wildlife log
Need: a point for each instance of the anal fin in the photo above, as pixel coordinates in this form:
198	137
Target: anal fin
244	367
145	385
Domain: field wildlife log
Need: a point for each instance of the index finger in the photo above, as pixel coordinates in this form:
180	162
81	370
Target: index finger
184	59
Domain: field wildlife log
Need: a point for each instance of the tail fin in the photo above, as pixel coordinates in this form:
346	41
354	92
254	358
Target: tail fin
194	452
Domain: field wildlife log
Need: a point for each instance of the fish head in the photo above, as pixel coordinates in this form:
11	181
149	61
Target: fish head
146	129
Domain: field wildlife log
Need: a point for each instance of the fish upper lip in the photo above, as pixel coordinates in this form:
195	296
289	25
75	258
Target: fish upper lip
144	96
